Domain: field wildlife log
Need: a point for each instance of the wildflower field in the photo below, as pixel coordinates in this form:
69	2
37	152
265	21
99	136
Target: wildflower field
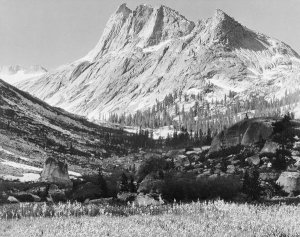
216	218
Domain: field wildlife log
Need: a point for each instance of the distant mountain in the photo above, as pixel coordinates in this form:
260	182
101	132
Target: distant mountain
147	53
16	73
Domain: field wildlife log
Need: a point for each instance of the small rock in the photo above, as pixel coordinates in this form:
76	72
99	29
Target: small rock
290	181
102	201
230	169
12	199
191	153
235	162
269	176
265	159
126	196
254	160
217	171
146	200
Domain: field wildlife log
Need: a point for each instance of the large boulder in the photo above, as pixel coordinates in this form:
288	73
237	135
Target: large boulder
246	132
290	182
55	171
269	147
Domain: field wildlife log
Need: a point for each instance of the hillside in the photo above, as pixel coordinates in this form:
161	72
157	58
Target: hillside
148	53
31	131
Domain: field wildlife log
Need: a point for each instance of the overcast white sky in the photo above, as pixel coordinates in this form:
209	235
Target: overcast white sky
55	32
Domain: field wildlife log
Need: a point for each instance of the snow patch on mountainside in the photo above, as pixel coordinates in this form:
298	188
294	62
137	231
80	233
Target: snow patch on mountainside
147	53
15	74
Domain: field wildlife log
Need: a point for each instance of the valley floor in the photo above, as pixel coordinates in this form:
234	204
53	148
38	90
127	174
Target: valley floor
195	219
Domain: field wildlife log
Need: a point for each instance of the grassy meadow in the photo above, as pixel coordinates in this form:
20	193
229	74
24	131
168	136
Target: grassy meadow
216	218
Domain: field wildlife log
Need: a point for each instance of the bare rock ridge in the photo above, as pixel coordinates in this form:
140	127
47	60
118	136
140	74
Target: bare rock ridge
147	53
146	26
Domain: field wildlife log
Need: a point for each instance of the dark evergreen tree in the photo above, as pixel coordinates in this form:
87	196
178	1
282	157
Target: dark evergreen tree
102	183
124	187
251	185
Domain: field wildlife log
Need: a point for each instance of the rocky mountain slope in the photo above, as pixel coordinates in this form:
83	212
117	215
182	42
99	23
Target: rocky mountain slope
31	131
147	53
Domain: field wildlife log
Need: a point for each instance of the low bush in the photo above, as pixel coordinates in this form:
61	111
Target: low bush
226	152
191	189
152	164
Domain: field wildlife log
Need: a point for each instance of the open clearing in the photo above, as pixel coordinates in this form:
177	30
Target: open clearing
196	219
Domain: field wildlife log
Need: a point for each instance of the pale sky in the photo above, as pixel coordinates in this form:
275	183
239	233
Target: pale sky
56	32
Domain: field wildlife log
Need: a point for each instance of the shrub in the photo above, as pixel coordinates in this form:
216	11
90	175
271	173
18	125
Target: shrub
152	164
191	189
226	152
251	185
280	162
266	154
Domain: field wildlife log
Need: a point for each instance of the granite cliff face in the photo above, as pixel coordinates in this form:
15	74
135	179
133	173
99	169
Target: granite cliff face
246	132
147	53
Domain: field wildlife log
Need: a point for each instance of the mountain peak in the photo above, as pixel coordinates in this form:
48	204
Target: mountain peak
219	14
225	30
224	20
123	9
151	52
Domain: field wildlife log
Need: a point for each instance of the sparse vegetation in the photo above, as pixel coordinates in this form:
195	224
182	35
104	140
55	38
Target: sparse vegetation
215	218
186	188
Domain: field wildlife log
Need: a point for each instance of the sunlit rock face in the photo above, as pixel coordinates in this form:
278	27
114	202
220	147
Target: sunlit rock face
246	132
147	53
55	171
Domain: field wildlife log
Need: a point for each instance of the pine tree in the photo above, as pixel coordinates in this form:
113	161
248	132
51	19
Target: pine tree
251	185
102	183
124	183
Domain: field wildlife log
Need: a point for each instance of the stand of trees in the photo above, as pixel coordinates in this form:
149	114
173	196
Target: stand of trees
204	118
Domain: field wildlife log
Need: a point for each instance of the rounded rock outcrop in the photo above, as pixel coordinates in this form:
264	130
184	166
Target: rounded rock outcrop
246	132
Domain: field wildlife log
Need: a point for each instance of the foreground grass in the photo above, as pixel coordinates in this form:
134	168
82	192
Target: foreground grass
195	219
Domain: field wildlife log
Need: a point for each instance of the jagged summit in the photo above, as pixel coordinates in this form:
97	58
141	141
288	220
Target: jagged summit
123	9
143	27
226	30
146	53
221	15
